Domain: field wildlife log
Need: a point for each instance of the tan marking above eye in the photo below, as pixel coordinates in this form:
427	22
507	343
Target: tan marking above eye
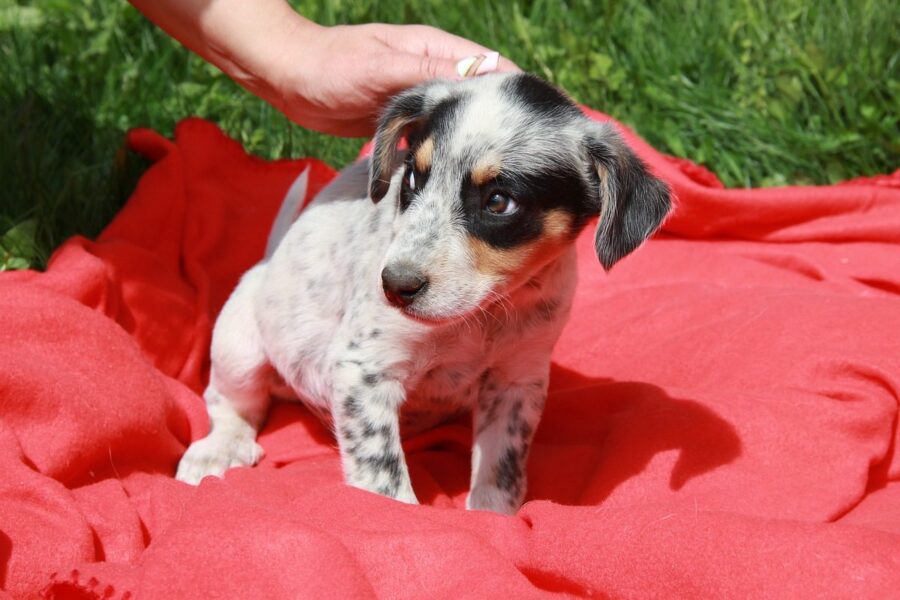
487	168
424	154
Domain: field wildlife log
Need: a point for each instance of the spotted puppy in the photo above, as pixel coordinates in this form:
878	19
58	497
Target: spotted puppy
441	290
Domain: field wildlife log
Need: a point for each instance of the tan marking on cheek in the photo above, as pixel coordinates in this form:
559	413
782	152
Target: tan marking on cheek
557	224
425	154
515	264
486	169
494	261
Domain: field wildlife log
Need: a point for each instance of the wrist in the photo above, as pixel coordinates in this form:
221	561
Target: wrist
299	70
256	49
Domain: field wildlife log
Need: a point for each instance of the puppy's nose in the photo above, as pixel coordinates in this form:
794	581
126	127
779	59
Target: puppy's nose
402	283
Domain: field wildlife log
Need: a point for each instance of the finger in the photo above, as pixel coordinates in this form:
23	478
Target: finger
507	66
472	49
430	41
403	70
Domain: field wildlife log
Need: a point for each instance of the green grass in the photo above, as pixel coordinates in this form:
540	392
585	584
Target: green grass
763	93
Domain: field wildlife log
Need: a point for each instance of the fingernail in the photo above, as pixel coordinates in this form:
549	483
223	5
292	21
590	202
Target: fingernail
464	67
478	64
490	64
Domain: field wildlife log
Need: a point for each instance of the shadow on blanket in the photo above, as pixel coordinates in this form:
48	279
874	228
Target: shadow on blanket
612	430
596	435
5	550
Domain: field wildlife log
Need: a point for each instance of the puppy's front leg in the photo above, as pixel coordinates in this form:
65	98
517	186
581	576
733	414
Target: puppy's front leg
505	419
367	425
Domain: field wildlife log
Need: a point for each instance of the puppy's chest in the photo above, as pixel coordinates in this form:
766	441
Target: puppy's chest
448	381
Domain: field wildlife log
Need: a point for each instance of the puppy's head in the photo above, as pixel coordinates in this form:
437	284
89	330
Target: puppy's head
501	174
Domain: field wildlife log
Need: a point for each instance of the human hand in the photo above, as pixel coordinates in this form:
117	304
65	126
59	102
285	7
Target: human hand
335	79
332	79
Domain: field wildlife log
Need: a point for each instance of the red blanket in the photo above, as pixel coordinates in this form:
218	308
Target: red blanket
722	419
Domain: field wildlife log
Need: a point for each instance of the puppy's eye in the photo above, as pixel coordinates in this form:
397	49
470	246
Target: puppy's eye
411	177
500	204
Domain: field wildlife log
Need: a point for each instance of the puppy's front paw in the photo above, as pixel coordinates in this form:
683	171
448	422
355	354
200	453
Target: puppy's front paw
216	453
488	497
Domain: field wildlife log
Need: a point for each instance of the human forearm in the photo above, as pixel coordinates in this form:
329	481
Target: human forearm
246	40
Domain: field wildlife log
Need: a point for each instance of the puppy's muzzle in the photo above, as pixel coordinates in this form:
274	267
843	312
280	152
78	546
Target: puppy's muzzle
402	283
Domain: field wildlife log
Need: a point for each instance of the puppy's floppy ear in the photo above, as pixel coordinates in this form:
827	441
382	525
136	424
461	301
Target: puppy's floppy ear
402	111
633	203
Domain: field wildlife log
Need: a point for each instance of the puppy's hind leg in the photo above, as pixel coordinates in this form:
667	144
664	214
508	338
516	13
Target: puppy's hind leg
237	398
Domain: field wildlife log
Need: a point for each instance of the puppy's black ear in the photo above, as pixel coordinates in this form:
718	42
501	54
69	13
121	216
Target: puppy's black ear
402	111
633	203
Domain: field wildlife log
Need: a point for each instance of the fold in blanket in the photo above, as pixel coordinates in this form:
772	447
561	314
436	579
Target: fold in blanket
722	420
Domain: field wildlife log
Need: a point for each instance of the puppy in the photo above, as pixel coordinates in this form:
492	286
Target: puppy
439	290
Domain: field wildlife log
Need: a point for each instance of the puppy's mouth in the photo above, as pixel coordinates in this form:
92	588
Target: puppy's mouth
411	313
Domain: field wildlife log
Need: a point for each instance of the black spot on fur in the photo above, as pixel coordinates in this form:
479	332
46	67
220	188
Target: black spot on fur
375	333
509	471
353	345
525	430
390	490
352	409
515	418
439	122
370	431
539	96
488	405
371	378
388	463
